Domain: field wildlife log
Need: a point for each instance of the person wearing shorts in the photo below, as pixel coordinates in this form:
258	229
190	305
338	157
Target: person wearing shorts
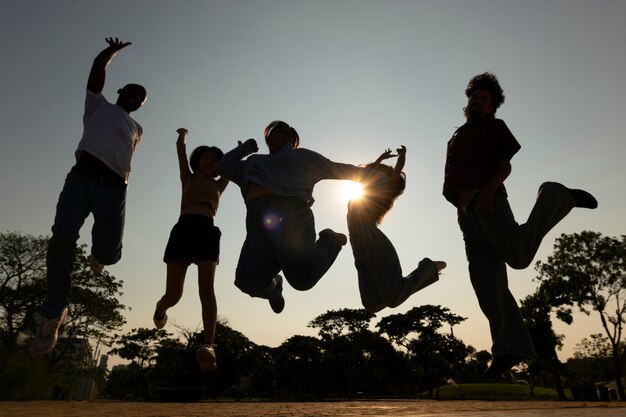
194	239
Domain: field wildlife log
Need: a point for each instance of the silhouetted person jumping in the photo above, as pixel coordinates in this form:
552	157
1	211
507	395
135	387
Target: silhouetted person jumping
381	283
477	163
195	239
96	184
280	227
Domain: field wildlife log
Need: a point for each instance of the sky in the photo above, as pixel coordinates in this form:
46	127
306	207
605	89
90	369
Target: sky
354	77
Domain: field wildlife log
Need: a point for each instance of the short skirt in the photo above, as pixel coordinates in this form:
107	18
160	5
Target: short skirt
193	239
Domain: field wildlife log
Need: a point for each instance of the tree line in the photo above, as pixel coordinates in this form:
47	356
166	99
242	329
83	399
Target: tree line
405	355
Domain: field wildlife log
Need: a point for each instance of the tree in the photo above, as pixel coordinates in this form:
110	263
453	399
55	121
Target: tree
22	285
435	355
592	360
342	353
94	313
140	346
298	365
589	271
536	309
335	323
156	362
426	318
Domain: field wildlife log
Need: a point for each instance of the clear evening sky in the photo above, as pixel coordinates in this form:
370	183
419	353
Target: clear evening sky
353	77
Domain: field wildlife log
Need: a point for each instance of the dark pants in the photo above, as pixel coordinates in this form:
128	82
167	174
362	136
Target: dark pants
281	236
494	240
81	195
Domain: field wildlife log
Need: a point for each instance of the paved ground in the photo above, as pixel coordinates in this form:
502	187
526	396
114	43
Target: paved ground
420	408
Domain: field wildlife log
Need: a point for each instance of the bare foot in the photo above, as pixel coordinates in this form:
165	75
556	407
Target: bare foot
95	265
440	265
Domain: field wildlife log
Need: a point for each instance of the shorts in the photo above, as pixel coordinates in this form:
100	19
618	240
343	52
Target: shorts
193	239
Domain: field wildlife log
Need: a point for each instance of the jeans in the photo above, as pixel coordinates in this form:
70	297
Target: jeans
494	240
281	236
82	195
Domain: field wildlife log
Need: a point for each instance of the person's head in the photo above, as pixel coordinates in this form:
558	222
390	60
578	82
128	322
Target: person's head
131	97
278	133
382	197
484	96
205	159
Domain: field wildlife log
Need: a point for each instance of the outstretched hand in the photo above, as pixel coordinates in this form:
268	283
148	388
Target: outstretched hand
386	155
253	148
182	134
401	150
116	44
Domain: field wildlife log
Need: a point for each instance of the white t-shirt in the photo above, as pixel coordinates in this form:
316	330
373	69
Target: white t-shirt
109	134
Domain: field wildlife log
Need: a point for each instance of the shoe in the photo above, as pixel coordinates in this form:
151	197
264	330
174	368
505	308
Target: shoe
205	356
501	364
95	265
583	199
440	265
159	321
48	333
277	302
339	237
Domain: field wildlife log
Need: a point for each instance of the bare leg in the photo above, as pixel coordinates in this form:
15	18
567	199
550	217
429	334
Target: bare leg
176	271
206	278
205	355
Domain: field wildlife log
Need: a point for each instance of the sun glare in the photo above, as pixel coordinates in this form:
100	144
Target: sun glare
351	190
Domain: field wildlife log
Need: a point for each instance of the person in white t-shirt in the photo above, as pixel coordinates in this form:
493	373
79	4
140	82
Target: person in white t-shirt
96	185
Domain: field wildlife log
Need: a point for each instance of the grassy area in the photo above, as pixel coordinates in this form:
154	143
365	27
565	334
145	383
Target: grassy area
494	392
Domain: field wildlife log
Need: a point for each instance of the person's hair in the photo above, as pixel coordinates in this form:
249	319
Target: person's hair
280	127
382	197
134	87
489	82
194	159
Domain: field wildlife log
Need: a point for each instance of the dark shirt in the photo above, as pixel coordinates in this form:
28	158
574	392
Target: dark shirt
473	156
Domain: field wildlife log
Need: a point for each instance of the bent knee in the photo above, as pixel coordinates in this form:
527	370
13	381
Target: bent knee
520	263
373	309
300	286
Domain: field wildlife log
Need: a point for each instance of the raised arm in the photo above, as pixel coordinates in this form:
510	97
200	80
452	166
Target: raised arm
231	166
399	163
385	155
97	75
181	151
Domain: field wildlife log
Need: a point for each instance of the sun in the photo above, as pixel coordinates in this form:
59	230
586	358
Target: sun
351	190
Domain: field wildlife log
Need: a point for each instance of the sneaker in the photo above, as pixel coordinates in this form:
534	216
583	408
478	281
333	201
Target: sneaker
277	302
159	321
205	356
48	333
583	199
95	265
339	237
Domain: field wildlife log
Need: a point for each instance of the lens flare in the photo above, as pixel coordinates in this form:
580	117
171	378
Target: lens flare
271	221
351	190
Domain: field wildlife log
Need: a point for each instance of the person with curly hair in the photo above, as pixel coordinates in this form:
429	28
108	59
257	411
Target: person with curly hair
381	283
478	161
195	239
